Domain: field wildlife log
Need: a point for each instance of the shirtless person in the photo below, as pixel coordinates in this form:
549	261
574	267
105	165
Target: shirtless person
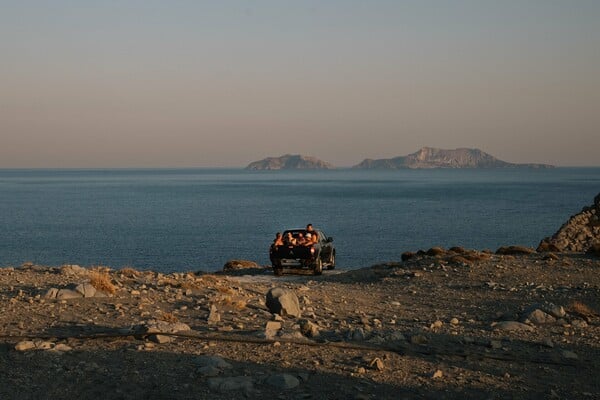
309	239
278	240
289	239
314	234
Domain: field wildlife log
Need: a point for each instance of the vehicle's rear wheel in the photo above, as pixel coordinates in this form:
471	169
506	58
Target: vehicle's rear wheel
331	262
318	267
277	271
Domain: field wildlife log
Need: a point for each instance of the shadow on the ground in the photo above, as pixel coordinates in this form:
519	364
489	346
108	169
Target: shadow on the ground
126	373
519	369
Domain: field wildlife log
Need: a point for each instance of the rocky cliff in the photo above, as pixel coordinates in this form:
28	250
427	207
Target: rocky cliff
289	161
429	157
580	233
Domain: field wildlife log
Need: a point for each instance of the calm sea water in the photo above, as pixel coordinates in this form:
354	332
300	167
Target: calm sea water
191	219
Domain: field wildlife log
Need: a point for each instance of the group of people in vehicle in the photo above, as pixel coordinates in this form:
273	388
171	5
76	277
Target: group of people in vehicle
309	238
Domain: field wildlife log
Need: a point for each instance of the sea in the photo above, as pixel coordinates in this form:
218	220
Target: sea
172	220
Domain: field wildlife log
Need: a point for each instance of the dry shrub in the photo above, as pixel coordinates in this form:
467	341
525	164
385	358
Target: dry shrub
515	250
476	256
129	272
168	317
436	252
582	309
209	279
100	279
230	301
226	290
168	281
460	260
189	285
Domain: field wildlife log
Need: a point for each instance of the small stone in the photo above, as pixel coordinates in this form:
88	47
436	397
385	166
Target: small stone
418	339
213	316
25	345
62	347
555	311
437	374
51	293
44	345
283	381
65	294
135	292
579	323
512	326
454	321
569	355
309	329
160	339
437	324
159	326
361	370
357	335
377	363
272	328
538	317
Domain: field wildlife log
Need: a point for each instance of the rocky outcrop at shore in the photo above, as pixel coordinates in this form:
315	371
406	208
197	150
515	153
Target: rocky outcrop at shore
429	157
289	161
581	233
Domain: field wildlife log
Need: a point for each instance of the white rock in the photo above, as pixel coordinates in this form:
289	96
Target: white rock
86	289
512	326
25	345
283	301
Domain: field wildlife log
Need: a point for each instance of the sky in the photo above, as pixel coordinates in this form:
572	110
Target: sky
110	84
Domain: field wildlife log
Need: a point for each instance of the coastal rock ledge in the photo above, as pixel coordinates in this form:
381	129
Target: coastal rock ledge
581	233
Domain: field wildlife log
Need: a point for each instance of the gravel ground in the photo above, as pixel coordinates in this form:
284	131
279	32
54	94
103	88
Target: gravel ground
448	325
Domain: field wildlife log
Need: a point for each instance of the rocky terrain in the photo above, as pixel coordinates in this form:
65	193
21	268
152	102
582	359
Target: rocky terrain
443	324
289	161
580	233
429	157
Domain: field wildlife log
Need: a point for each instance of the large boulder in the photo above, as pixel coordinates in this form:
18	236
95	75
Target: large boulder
580	233
283	301
515	250
234	265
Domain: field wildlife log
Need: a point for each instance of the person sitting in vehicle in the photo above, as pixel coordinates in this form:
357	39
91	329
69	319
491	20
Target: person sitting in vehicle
314	234
309	239
278	240
301	240
289	239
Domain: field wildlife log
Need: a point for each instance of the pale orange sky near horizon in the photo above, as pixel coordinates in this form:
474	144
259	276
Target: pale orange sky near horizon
185	84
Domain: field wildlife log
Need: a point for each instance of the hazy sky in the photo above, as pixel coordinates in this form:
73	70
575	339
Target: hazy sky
223	83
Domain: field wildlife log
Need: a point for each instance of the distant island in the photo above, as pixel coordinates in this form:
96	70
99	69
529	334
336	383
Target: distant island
425	158
429	157
289	161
